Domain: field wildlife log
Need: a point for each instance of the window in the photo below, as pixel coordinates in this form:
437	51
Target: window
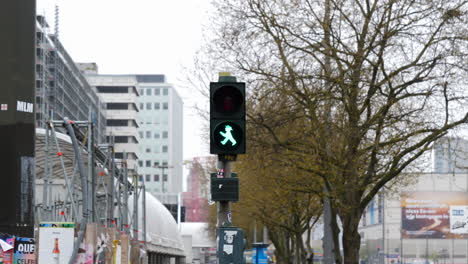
156	177
165	106
112	89
119	155
164	163
165	177
156	135
148	91
121	139
165	134
117	122
117	106
157	106
156	163
165	91
142	135
148	106
148	150
148	177
140	163
148	134
140	178
148	163
164	149
141	91
157	91
142	106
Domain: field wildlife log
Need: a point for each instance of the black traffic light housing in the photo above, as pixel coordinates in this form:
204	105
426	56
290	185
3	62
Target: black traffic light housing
227	116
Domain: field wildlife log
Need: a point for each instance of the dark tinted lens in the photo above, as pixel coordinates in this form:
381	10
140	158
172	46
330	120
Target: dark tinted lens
227	99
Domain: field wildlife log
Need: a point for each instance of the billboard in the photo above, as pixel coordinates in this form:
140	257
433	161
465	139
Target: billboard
56	242
25	249
434	214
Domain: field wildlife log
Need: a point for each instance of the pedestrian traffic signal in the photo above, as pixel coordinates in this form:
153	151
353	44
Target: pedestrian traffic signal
227	116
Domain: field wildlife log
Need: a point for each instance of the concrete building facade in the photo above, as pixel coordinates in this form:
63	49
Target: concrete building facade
120	95
160	134
416	223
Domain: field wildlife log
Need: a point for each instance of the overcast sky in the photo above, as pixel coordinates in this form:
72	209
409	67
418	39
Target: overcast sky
136	37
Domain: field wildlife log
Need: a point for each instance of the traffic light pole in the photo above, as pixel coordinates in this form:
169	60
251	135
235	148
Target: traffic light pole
224	207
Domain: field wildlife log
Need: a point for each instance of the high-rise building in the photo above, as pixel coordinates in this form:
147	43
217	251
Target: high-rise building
450	155
61	89
120	95
160	135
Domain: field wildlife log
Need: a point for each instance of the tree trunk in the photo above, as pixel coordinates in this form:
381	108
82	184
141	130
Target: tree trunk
351	237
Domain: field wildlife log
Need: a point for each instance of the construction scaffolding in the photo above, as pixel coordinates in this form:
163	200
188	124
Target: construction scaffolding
82	182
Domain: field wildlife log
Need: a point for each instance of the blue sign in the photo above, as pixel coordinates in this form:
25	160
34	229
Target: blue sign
259	254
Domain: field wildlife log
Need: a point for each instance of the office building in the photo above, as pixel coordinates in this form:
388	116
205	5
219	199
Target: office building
120	95
160	136
61	89
450	155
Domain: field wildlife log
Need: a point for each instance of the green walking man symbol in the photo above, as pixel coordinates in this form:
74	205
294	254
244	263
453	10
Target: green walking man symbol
227	135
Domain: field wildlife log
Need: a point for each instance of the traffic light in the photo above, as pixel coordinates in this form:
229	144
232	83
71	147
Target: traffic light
227	116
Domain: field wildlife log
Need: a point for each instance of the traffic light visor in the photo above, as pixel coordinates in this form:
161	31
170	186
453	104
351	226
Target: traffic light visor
227	99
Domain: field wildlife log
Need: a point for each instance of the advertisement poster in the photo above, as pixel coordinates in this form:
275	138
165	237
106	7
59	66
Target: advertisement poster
6	251
24	251
434	214
56	242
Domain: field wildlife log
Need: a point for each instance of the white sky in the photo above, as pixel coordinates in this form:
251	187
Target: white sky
137	37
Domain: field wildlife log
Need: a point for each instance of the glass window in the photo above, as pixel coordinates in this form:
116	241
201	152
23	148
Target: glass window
117	106
148	177
156	163
165	134
142	135
148	106
140	163
164	149
156	177
148	134
165	91
165	177
140	178
142	106
165	106
156	135
117	122
164	163
148	163
148	150
157	91
148	91
141	91
157	106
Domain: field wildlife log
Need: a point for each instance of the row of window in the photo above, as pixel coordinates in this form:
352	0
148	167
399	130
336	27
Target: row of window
155	178
157	91
163	149
148	163
148	134
157	106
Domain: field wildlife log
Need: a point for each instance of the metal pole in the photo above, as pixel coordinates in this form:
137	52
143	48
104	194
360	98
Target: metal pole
125	201
224	207
110	212
144	212
383	226
91	176
135	207
178	211
45	189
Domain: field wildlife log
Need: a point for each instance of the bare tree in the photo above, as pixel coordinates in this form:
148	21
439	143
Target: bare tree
374	84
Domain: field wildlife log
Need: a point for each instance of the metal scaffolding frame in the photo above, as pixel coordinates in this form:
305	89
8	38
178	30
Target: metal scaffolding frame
97	186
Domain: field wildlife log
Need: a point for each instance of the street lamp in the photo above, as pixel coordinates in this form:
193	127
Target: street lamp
163	167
